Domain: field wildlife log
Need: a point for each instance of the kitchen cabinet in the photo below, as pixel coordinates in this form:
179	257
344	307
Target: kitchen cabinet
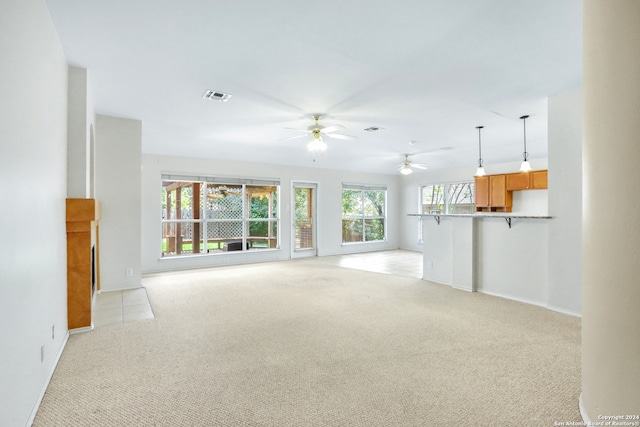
492	194
482	191
527	180
539	180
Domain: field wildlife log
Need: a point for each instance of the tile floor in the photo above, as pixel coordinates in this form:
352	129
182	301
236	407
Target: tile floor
114	308
398	262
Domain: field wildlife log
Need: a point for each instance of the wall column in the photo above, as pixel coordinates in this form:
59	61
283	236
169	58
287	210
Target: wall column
611	230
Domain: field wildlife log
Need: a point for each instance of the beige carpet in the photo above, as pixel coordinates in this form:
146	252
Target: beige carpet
299	343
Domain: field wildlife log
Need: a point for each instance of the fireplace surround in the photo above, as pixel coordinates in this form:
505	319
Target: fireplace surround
83	266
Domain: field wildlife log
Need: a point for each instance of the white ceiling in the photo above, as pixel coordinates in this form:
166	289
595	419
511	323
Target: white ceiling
428	71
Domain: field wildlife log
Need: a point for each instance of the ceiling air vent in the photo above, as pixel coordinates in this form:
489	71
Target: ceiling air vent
218	96
373	129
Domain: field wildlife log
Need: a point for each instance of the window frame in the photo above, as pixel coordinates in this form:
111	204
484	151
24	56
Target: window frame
446	186
245	219
362	216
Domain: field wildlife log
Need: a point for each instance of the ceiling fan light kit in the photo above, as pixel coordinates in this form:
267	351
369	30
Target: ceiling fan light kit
317	145
406	170
406	166
317	131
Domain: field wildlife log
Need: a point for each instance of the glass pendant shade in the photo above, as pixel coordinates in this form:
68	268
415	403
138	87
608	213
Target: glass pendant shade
480	171
525	166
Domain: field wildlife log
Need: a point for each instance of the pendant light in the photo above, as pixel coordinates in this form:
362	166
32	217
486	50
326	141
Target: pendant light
525	166
480	170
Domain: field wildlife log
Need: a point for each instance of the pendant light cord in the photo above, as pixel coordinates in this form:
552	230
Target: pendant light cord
525	155
479	146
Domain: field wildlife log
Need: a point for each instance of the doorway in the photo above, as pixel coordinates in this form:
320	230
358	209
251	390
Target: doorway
304	234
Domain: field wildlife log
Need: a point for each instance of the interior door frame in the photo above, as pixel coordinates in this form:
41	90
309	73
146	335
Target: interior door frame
302	253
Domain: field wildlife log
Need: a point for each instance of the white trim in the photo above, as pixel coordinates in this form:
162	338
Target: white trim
563	311
80	330
116	290
47	380
436	281
304	252
462	288
509	297
583	412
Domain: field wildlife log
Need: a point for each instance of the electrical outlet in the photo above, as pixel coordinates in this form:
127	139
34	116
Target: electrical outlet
129	272
41	353
429	265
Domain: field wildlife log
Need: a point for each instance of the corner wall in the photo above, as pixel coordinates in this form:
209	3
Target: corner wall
565	202
118	176
33	172
80	165
611	235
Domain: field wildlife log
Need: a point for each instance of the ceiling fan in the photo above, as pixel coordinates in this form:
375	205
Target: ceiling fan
406	166
317	131
222	191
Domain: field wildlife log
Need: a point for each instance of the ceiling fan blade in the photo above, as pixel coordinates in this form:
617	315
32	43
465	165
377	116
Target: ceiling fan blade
418	166
340	136
292	137
333	128
297	129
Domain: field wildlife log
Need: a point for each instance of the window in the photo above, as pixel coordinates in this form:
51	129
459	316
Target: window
455	198
212	215
363	213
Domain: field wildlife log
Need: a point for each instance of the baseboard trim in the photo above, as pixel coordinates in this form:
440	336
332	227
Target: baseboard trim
583	412
563	311
104	291
80	330
460	288
512	298
439	282
45	385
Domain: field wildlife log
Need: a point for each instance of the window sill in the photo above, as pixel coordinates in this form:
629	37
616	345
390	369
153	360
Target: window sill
208	254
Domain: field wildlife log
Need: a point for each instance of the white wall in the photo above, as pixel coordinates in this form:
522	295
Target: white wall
80	125
451	260
33	164
118	160
565	201
329	208
512	262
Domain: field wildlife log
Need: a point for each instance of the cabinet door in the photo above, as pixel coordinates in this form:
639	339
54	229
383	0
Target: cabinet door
497	190
518	181
539	179
482	191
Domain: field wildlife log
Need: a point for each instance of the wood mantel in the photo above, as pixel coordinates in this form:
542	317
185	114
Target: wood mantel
83	272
